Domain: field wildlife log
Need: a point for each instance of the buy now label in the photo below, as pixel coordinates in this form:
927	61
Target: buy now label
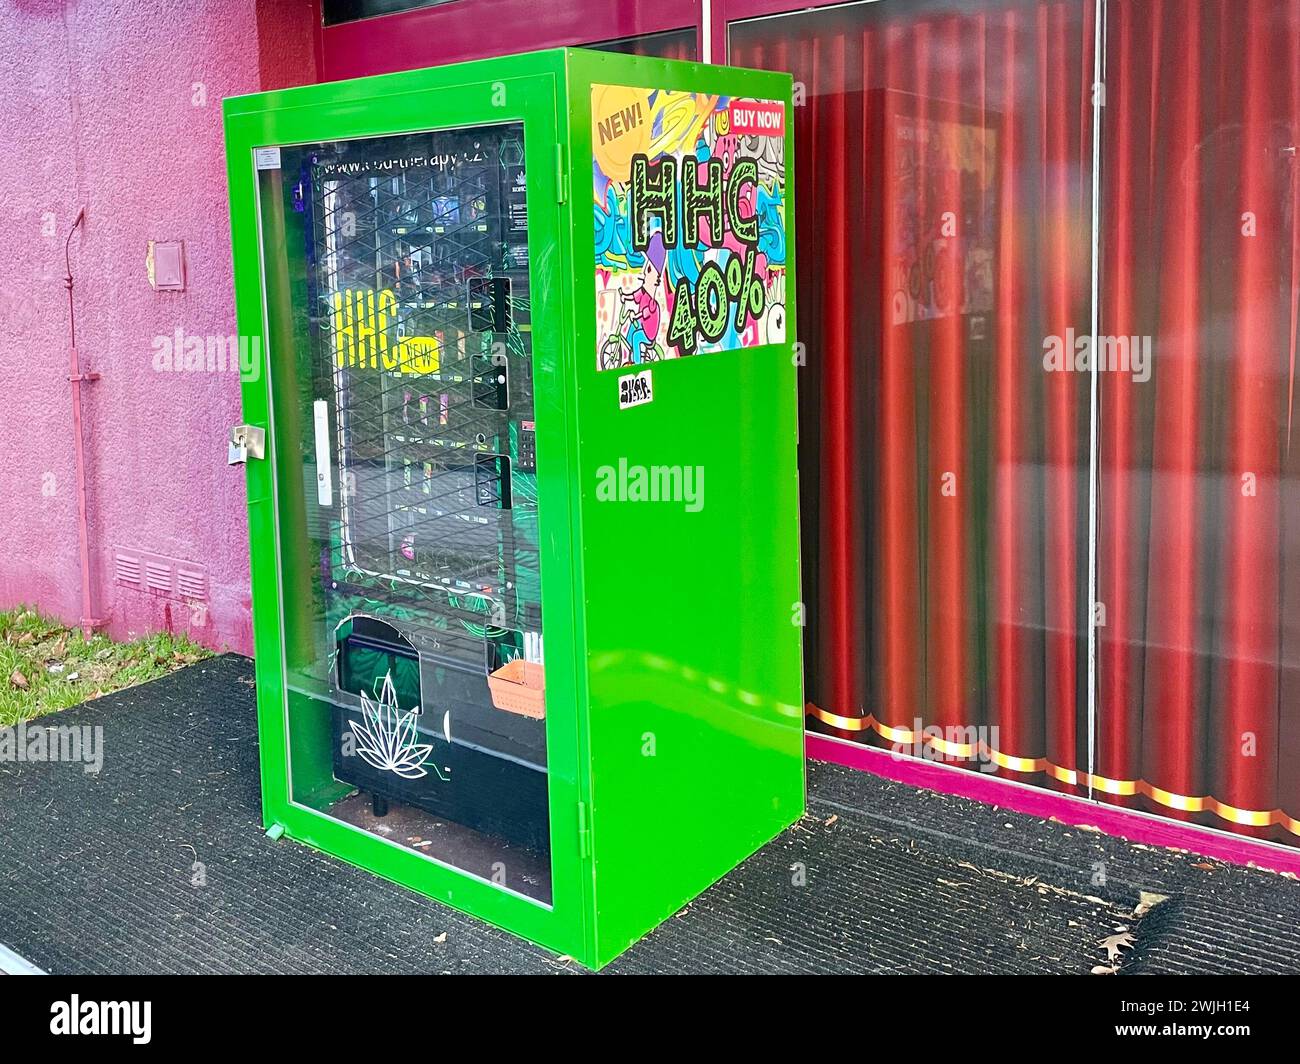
748	118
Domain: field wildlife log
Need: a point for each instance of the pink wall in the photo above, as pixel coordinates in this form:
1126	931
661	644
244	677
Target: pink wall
116	107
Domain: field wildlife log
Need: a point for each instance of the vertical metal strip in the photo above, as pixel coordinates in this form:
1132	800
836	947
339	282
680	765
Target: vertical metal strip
1098	103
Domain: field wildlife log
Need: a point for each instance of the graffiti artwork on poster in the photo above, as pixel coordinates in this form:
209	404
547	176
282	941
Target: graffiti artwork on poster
690	223
944	180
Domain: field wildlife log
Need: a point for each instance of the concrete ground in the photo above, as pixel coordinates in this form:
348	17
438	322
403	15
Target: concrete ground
159	864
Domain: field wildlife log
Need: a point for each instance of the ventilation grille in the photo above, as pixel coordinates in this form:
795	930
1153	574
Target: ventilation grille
126	569
157	574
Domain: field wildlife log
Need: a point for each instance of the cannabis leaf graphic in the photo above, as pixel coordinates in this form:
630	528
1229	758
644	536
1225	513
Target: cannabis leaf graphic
387	737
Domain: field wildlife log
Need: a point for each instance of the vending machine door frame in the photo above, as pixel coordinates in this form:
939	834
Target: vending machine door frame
466	95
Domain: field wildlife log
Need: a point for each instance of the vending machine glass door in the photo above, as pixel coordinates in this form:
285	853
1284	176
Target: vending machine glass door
397	281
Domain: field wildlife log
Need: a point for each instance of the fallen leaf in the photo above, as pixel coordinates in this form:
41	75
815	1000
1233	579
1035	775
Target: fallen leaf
440	939
1113	944
828	823
1148	900
1102	969
17	679
1204	866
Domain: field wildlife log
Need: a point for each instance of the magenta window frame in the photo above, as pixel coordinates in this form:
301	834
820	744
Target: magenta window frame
454	33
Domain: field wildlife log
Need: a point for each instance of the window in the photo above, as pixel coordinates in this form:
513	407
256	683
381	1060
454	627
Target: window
1052	515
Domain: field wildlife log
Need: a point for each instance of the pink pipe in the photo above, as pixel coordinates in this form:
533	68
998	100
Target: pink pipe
88	620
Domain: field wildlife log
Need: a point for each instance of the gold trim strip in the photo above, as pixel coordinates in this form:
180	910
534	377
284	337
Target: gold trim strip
1260	818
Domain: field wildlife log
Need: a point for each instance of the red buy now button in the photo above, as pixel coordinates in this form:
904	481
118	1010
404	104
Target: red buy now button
748	118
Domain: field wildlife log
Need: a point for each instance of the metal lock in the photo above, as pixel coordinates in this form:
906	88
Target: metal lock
246	441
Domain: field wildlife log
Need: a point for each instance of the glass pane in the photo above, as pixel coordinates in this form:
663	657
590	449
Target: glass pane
336	11
1198	714
397	281
944	213
671	44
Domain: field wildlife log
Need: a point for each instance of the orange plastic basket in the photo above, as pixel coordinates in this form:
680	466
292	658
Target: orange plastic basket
519	687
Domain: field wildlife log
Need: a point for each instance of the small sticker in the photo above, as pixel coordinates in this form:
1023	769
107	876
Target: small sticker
324	474
266	158
634	390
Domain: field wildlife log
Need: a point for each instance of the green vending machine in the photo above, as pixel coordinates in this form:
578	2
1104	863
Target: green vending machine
522	493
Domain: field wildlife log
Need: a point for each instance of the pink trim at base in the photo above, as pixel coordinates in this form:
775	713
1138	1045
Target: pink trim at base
1127	824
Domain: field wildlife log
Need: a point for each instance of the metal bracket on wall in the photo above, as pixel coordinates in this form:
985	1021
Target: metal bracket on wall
246	441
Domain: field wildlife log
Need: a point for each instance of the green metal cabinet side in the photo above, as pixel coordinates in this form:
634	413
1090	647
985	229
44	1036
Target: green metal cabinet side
690	634
523	88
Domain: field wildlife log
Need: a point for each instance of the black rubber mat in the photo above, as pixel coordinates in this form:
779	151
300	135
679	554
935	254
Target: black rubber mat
1216	918
159	864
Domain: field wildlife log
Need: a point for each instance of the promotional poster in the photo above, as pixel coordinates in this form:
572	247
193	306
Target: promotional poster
690	223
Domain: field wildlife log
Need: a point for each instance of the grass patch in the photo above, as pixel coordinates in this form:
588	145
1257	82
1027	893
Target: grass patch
45	666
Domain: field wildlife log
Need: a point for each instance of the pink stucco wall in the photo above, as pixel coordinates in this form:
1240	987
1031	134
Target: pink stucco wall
115	106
